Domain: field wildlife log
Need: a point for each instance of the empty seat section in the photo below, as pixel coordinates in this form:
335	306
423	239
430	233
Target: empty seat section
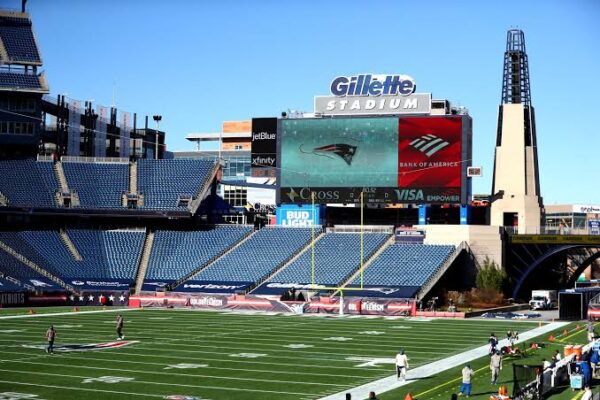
21	243
177	253
405	265
27	183
10	266
109	254
99	185
163	181
336	256
18	40
26	81
258	256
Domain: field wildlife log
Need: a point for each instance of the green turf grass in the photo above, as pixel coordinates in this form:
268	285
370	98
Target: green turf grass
316	366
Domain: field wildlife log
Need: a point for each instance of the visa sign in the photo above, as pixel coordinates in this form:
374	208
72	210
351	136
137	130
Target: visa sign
295	216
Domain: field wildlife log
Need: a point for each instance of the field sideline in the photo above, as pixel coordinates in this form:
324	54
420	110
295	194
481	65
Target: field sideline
220	356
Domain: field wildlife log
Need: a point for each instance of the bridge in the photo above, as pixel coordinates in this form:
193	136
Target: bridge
534	260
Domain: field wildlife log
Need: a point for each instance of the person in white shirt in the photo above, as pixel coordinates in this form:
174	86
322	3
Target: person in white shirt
401	364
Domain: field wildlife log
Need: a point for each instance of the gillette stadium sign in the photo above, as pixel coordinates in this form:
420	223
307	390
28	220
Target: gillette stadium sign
369	94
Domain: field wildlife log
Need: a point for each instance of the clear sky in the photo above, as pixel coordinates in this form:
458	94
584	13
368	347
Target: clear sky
198	63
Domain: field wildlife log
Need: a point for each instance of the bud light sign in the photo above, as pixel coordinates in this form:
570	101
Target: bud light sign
297	216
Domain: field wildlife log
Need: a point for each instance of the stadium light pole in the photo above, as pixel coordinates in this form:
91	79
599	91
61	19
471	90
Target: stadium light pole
157	119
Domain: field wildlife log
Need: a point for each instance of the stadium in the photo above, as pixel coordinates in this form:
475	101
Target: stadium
286	257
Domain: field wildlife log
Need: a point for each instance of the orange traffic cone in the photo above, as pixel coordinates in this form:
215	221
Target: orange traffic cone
30	311
565	332
578	327
75	309
408	397
551	338
502	391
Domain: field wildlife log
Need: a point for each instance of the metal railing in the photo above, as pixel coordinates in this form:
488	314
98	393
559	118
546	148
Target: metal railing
103	160
357	229
547	230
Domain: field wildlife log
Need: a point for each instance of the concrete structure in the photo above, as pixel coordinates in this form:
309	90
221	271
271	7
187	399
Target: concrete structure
516	200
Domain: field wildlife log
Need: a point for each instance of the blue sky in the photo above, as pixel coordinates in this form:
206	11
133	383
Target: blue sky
199	63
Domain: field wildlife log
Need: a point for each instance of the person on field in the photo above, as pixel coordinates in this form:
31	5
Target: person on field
495	366
120	327
401	365
590	331
493	341
50	335
467	374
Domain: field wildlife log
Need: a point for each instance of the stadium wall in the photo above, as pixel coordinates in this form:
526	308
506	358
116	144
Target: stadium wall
484	241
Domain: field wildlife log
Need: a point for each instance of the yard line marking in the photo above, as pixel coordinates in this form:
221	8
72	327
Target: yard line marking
178	373
84	389
163	383
67	313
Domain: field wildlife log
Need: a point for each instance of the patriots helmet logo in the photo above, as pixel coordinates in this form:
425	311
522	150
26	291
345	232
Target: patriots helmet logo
345	151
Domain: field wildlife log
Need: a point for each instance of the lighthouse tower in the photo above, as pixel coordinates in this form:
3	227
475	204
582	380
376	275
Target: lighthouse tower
516	200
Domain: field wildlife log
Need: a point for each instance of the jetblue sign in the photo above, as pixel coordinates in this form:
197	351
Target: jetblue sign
368	94
296	216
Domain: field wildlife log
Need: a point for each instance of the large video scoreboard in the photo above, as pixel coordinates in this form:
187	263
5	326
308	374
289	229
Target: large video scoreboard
411	159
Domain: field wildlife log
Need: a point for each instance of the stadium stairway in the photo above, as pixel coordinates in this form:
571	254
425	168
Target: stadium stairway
7	249
64	186
435	277
366	263
144	261
133	178
70	245
210	262
202	191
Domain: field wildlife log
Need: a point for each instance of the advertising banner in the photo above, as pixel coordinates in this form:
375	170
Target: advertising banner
13	299
42	284
430	154
264	146
100	134
412	235
74	131
101	283
278	288
125	134
296	216
213	286
154	285
594	227
99	298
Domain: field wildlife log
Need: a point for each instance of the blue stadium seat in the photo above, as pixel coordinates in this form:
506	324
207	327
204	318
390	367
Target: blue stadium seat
177	253
14	80
17	37
337	255
27	183
405	265
99	185
163	181
254	259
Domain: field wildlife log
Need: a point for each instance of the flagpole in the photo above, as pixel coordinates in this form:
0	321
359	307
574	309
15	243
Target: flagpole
361	239
312	271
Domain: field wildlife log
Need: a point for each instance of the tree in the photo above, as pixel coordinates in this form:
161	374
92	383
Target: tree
490	276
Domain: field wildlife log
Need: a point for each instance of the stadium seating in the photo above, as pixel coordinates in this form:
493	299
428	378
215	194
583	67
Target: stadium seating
405	265
258	256
18	40
26	81
105	254
109	254
27	183
163	181
336	256
98	185
8	286
177	253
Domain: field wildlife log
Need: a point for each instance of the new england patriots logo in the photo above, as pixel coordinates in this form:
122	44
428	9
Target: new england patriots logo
86	347
345	151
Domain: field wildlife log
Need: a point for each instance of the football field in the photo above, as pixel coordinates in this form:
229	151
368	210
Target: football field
219	355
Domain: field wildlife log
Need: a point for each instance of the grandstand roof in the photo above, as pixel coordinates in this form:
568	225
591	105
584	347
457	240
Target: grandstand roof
17	41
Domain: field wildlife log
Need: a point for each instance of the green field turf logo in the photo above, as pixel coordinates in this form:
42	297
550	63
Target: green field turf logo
84	347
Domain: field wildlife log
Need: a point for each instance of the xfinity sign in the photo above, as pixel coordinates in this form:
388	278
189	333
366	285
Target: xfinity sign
373	94
373	85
